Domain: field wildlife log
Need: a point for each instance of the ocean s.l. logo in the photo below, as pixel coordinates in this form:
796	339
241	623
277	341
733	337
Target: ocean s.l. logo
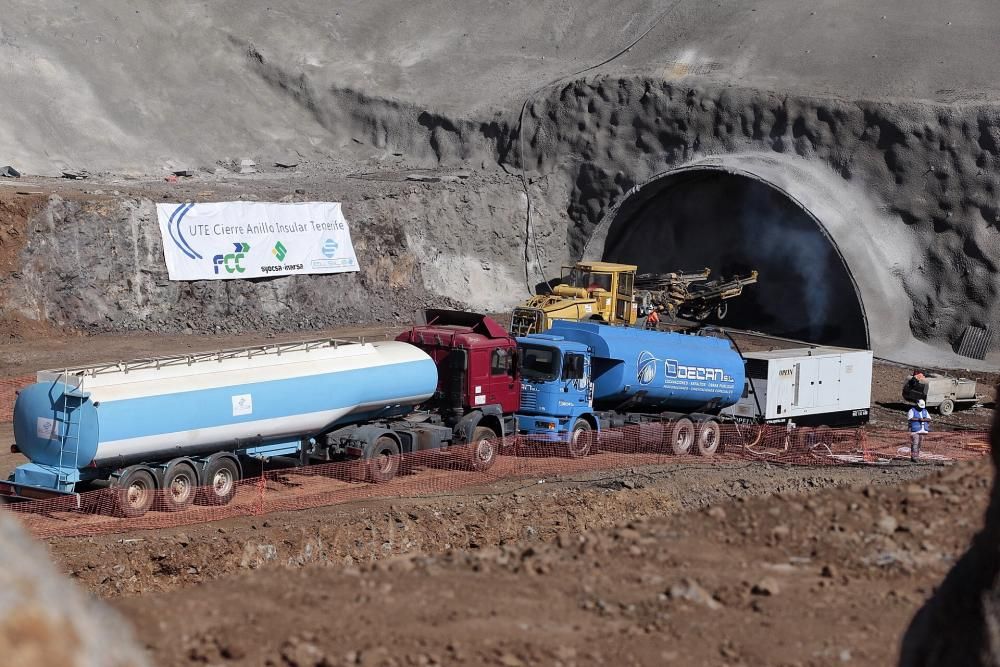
329	248
645	370
174	227
673	369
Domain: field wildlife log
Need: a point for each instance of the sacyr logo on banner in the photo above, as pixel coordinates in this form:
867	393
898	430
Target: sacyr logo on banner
280	251
174	227
329	248
231	262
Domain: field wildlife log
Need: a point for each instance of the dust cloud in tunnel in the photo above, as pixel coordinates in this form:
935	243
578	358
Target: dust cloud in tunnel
734	224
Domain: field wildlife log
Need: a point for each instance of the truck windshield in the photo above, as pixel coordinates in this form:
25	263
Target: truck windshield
539	363
588	280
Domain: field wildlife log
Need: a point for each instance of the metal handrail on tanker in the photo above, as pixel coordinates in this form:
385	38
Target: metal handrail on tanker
155	363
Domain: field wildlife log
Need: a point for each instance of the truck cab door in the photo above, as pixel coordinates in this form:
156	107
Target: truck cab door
505	389
577	387
480	381
624	298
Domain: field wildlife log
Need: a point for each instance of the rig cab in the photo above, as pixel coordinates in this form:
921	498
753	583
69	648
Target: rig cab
601	291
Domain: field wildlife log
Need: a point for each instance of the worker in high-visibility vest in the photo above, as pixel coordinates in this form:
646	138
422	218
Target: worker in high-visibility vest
920	425
652	320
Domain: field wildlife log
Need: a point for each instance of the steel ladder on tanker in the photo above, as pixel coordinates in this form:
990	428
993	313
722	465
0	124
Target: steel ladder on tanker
69	439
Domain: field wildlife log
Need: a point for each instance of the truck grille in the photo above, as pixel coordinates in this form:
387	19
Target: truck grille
529	400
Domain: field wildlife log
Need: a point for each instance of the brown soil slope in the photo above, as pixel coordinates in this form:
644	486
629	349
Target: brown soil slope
817	579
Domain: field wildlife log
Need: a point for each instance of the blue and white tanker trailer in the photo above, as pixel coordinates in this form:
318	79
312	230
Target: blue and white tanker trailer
183	422
580	377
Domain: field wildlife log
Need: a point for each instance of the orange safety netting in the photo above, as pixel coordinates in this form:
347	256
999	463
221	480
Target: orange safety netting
268	489
8	392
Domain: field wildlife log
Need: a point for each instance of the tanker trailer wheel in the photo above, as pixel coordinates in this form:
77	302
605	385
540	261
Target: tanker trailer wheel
383	460
947	407
180	484
221	477
709	437
482	451
135	491
682	436
580	439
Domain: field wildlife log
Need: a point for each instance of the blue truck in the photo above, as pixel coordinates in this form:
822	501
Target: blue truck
580	378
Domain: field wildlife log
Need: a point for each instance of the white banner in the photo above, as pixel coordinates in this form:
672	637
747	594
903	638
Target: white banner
253	239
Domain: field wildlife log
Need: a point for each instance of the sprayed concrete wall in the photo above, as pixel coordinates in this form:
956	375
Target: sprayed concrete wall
906	191
877	120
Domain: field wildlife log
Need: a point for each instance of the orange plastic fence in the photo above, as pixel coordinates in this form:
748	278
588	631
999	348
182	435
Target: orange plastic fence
8	391
428	473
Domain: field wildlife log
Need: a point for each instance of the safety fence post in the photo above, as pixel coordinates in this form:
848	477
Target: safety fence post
866	452
257	508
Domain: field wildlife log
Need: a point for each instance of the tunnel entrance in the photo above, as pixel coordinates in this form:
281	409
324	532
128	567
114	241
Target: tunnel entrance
734	223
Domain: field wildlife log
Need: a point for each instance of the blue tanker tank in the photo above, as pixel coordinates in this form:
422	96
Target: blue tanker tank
81	425
657	370
582	376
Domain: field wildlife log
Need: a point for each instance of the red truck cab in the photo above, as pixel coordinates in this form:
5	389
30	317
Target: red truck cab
478	382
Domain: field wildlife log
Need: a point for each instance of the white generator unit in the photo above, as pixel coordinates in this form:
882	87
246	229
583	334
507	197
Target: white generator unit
817	386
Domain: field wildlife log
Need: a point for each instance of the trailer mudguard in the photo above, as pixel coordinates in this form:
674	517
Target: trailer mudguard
369	433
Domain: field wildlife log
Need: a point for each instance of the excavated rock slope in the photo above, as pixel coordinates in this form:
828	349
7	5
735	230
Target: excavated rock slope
880	121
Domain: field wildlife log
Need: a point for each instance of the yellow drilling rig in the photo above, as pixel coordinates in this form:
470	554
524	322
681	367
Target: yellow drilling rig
613	293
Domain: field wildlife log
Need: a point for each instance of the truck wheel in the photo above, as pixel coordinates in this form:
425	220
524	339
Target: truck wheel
947	407
709	437
482	451
383	461
135	491
682	436
221	476
180	484
580	439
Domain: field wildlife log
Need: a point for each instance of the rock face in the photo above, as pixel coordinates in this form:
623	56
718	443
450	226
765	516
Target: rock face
917	221
880	124
960	624
97	263
46	621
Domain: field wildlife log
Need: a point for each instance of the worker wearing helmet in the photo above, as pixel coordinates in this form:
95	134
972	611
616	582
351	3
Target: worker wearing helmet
653	319
920	425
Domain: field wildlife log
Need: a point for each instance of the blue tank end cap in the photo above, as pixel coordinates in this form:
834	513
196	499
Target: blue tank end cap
46	477
53	428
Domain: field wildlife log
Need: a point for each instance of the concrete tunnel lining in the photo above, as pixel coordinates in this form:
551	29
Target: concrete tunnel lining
873	246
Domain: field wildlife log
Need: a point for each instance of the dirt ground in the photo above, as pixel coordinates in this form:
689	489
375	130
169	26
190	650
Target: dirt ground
744	565
750	563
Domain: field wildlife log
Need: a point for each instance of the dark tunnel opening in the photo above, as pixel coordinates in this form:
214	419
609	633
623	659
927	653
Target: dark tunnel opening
733	224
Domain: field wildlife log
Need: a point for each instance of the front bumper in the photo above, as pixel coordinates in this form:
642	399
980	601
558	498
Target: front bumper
540	428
